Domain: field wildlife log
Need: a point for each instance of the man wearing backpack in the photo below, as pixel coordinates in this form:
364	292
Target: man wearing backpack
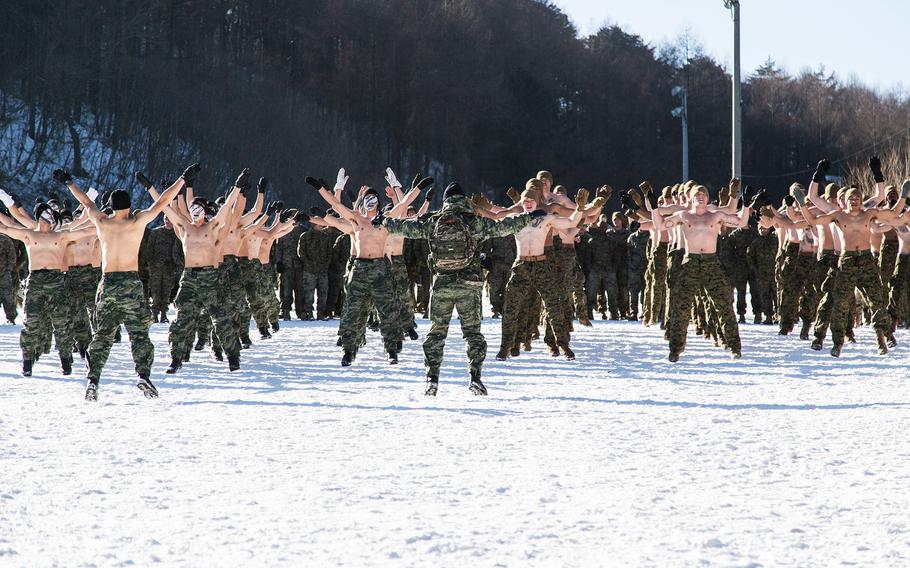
454	234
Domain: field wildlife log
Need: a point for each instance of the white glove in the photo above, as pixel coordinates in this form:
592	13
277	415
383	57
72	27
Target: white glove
92	193
341	180
390	177
6	198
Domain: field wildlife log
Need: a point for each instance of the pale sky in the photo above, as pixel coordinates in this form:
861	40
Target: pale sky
867	39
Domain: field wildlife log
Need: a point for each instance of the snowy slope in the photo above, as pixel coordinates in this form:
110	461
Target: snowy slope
786	457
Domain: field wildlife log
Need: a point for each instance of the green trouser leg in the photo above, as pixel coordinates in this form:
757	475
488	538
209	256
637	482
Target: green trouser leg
46	314
450	293
81	289
826	272
659	284
400	286
121	300
792	282
858	271
887	260
198	297
900	286
808	301
370	284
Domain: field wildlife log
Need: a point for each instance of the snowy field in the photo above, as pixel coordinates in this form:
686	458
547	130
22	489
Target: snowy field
787	457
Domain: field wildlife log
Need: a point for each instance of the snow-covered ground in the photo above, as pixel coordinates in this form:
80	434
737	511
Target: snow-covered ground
787	456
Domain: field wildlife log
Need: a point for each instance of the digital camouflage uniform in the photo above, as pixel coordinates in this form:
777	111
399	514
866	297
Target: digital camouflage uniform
638	264
164	266
46	314
341	252
761	255
601	257
121	300
233	295
290	272
742	276
457	290
700	272
315	251
620	267
858	270
793	273
369	285
657	295
827	269
417	255
82	289
500	253
9	277
199	297
899	294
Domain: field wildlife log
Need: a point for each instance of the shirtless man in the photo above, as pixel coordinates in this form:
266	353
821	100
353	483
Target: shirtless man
700	268
120	294
200	285
857	266
369	280
259	248
46	300
532	275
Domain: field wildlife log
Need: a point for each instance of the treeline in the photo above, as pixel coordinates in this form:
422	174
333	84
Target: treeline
485	91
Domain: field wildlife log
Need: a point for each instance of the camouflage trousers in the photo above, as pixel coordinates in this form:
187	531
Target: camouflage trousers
827	268
700	272
887	260
636	291
674	269
121	300
783	263
899	296
291	289
266	306
233	295
858	270
529	281
315	287
809	299
162	280
369	283
658	293
81	289
46	313
743	279
566	266
8	279
400	285
450	293
256	296
795	275
602	280
496	279
335	300
199	290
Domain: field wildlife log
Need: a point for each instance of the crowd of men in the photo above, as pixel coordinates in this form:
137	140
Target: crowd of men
826	257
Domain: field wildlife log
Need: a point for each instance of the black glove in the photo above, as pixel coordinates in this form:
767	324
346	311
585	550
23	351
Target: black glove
146	182
263	183
279	267
424	183
190	173
270	208
789	200
325	184
759	199
416	181
62	176
876	166
317	185
821	170
243	180
429	194
538	213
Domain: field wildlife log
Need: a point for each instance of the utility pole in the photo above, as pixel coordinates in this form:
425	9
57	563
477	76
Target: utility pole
733	6
682	112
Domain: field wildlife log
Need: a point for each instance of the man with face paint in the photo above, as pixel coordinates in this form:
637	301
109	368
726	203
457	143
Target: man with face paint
700	268
120	297
369	281
46	308
267	307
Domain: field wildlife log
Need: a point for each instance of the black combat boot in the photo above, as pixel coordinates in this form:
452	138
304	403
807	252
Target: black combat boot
347	358
27	367
264	333
66	365
146	386
393	358
476	385
432	386
233	362
275	326
176	363
245	341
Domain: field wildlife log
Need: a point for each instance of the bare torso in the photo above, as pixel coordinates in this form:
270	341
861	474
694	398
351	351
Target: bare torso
700	230
120	240
200	245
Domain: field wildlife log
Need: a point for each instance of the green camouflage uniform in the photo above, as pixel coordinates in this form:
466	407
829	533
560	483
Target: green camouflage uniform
164	266
500	253
620	268
9	276
638	263
789	286
233	295
827	269
341	252
121	300
46	313
761	255
315	251
290	272
742	276
600	254
459	290
658	293
199	297
700	272
369	284
82	288
899	295
417	254
858	270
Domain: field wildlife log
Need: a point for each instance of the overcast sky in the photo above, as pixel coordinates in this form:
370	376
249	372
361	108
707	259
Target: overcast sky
867	39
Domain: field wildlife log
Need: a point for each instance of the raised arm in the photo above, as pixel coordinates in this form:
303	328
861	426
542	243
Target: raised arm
875	166
66	179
